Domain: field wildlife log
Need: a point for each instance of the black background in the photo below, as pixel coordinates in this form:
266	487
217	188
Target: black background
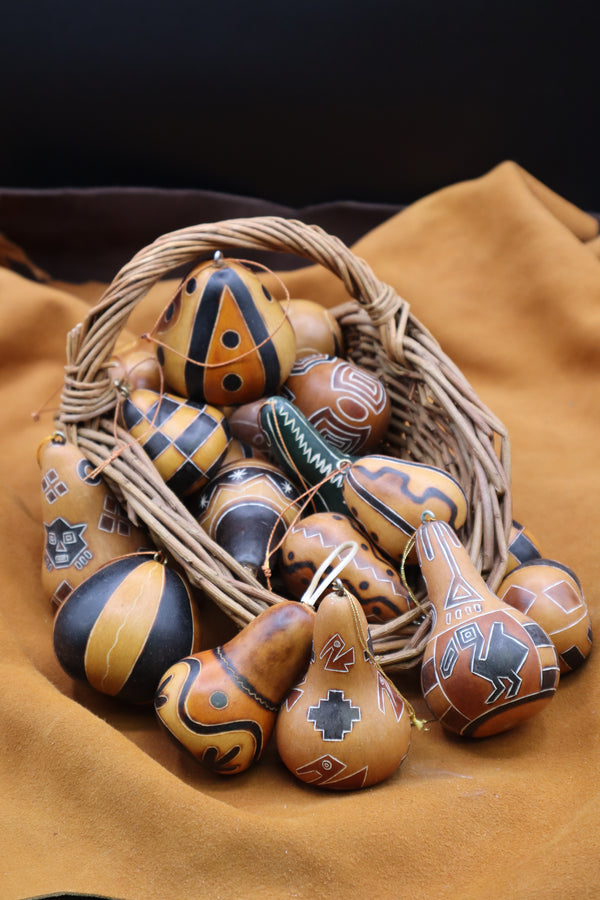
299	103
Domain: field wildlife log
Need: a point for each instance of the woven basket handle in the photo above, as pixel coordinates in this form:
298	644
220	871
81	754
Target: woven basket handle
88	391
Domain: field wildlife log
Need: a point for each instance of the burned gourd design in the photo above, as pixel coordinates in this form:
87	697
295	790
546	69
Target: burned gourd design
387	497
245	509
486	667
186	441
551	594
368	576
224	338
221	704
85	525
345	725
347	405
522	547
123	626
303	454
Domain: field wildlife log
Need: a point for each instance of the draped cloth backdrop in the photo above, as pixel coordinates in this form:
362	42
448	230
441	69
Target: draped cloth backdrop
96	800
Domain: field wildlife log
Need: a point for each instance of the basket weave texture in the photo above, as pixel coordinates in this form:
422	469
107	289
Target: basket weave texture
437	418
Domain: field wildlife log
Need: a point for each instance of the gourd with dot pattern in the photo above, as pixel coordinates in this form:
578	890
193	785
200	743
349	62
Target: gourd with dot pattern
221	704
224	339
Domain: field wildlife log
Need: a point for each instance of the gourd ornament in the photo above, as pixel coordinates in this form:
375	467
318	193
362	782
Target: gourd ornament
344	726
223	338
304	454
486	667
551	594
384	495
368	576
221	704
522	547
135	363
186	441
347	405
387	497
124	625
246	508
85	525
315	327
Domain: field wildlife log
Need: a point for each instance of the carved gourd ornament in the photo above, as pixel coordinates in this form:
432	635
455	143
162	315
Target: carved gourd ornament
223	338
221	704
368	576
385	495
347	405
85	525
315	327
551	594
246	508
186	441
344	726
522	547
135	364
487	666
124	625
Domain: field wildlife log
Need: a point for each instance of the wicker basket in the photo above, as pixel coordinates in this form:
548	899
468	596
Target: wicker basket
436	416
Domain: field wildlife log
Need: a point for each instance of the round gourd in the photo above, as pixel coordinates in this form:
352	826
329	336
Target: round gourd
347	405
224	338
245	509
124	626
551	594
135	364
244	422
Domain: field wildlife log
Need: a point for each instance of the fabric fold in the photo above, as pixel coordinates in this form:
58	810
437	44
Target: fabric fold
95	797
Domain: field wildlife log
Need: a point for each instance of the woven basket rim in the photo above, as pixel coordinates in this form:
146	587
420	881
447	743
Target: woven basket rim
386	335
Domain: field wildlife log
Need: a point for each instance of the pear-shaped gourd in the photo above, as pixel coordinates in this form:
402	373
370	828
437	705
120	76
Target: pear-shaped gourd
224	338
221	704
387	497
186	441
315	327
347	405
486	667
245	509
344	726
124	625
368	576
551	594
84	523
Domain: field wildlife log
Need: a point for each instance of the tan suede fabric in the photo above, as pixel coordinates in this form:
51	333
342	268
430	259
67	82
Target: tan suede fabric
95	799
